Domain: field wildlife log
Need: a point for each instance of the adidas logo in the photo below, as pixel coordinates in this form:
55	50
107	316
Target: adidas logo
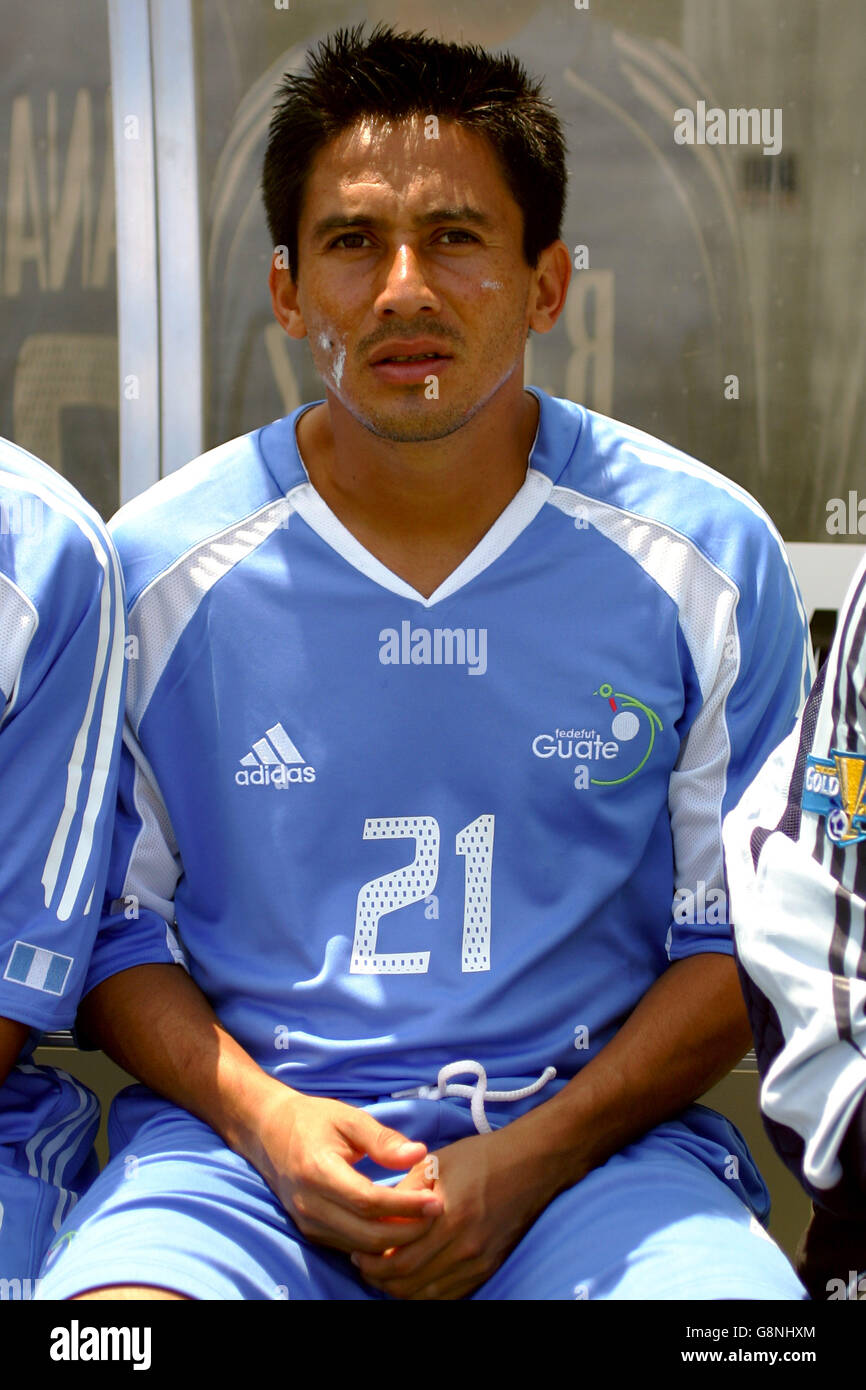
273	761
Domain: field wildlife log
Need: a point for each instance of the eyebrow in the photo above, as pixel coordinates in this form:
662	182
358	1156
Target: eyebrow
339	221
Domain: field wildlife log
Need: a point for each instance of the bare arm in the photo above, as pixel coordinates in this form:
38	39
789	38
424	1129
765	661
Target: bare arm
686	1033
154	1021
12	1038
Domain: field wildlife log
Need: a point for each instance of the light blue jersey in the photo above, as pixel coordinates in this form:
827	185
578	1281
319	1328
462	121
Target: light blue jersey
394	832
61	692
426	854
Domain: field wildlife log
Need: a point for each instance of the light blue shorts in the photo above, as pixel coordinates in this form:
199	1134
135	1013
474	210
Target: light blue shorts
178	1210
48	1122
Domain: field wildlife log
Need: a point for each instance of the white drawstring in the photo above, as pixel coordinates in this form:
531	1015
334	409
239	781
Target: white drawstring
477	1094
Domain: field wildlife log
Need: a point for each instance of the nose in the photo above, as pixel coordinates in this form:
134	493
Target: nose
406	290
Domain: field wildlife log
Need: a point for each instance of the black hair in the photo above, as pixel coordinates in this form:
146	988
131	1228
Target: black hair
394	76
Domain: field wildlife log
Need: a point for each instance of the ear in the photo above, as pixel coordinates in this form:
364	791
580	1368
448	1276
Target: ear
284	297
552	278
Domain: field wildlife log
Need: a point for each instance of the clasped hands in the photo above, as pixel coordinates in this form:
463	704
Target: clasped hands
440	1233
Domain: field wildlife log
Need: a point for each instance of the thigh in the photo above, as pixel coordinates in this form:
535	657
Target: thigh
47	1125
659	1220
176	1209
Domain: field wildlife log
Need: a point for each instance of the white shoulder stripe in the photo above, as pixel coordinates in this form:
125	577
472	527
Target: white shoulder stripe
18	623
104	746
110	648
165	607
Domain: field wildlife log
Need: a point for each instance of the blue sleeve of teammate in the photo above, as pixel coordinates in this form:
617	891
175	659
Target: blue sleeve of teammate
763	672
61	696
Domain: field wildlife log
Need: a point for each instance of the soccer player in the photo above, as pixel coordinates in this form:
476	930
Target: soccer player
797	871
444	686
62	632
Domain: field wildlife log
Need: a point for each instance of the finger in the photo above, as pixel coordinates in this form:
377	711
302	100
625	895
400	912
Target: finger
417	1180
419	1257
459	1284
341	1230
349	1189
387	1147
448	1283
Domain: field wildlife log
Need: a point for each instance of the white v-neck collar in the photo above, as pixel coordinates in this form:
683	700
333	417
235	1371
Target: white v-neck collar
521	510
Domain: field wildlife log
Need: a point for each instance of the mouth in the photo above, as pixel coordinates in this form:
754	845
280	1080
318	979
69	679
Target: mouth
411	357
410	367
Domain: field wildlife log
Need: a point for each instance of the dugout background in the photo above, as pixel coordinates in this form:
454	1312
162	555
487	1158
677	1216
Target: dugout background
136	322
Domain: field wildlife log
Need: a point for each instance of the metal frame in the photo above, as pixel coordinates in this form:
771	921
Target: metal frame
159	262
137	278
178	232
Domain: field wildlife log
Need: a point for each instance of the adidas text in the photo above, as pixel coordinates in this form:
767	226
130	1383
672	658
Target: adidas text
274	761
278	776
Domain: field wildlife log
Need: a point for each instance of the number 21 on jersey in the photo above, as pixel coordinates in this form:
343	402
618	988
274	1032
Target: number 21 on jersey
415	882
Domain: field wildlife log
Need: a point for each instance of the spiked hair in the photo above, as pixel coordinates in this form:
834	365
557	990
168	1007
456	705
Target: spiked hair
395	76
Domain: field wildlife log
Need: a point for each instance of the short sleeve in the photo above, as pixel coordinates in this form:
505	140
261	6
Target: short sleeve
61	690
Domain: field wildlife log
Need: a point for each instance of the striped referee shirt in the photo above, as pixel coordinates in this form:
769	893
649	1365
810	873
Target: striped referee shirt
796	865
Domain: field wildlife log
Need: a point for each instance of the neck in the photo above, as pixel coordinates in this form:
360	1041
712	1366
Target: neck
448	489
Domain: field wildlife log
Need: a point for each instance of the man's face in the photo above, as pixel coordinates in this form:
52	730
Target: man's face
428	247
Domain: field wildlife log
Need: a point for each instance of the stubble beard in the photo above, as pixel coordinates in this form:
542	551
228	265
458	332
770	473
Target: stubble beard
427	420
422	426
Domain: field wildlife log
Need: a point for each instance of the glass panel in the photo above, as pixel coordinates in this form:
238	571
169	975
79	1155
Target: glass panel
719	303
58	356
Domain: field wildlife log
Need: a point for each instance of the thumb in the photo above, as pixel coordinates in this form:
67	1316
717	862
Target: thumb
423	1174
387	1147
